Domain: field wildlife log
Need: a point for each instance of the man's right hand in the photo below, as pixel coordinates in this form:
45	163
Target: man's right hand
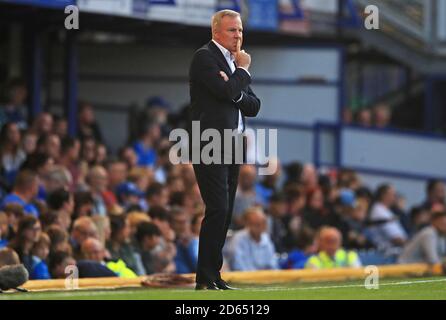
242	59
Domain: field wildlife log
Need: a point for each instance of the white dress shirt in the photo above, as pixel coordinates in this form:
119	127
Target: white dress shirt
231	62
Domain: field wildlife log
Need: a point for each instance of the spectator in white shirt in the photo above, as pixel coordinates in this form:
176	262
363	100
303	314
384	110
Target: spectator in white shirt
251	248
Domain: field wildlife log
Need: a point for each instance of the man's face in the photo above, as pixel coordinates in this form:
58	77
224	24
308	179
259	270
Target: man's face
229	33
439	192
330	244
440	225
256	225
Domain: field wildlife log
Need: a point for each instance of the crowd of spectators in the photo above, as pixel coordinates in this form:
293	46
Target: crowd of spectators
68	201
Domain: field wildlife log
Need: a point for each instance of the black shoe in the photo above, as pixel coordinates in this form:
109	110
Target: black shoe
207	286
223	285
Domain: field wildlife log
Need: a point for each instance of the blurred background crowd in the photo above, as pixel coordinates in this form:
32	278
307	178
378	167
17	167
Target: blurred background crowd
68	200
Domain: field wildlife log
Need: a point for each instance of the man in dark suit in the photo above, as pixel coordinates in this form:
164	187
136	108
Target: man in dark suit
220	100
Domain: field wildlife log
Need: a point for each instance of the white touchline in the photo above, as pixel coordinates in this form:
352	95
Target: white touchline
84	293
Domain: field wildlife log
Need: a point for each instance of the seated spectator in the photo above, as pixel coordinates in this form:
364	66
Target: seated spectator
104	228
145	146
315	213
57	177
364	118
29	142
157	195
117	172
49	144
245	196
83	228
8	257
28	234
14	212
15	108
166	250
304	247
59	261
276	227
58	239
130	196
4	230
357	234
420	218
381	116
87	125
60	126
330	253
148	238
120	246
186	244
134	218
88	152
41	164
61	205
429	244
69	158
268	186
251	249
43	123
293	174
97	180
387	233
435	195
40	253
25	189
11	154
83	204
94	252
128	155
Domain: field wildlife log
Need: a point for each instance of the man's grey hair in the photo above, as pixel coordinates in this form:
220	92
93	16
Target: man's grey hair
218	16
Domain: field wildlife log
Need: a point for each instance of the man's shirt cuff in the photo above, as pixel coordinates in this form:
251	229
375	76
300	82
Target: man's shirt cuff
239	99
245	70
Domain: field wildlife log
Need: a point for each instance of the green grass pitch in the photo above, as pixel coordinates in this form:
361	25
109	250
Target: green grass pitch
413	288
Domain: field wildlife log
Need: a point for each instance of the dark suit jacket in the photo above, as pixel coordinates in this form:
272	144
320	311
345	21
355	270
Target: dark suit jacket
212	98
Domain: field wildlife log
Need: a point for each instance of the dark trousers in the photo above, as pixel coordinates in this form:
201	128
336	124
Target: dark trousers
218	184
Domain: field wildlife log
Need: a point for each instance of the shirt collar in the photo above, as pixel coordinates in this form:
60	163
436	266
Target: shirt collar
226	53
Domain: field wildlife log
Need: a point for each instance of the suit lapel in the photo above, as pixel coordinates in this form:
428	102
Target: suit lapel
220	57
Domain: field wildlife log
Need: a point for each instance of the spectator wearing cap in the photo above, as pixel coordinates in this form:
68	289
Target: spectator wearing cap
251	249
330	253
26	186
429	244
130	196
87	125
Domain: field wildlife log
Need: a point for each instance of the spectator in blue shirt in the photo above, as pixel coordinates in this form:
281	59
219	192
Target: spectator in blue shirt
26	187
186	244
305	246
40	253
251	248
145	146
